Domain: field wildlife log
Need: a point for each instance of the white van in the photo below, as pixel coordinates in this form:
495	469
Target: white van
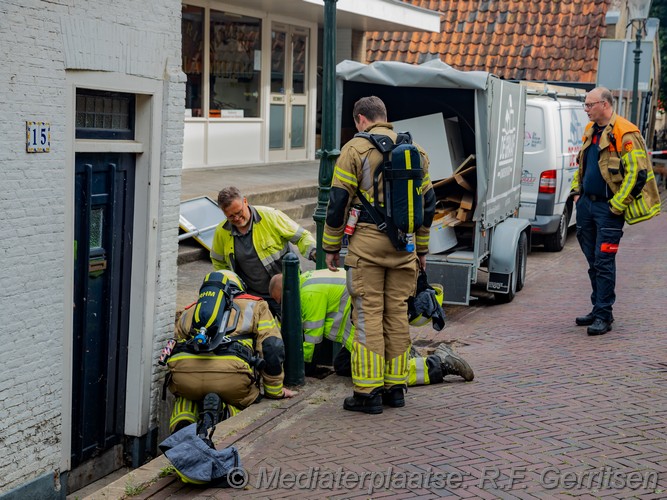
555	123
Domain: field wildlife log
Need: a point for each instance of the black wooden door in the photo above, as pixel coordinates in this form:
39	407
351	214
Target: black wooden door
103	254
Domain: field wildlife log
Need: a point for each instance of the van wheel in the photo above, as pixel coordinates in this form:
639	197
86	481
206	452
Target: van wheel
556	242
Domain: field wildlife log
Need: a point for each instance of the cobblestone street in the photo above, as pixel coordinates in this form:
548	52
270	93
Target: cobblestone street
552	412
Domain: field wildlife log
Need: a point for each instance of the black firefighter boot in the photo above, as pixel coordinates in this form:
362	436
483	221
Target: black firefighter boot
393	396
367	403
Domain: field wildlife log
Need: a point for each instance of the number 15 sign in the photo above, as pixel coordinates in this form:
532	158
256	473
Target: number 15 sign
38	137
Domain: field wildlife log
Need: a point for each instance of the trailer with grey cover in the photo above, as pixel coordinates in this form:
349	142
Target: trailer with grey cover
472	126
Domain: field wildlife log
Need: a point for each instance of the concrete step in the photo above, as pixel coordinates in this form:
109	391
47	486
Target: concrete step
271	197
302	208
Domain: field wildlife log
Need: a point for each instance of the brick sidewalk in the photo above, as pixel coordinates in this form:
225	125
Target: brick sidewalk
549	406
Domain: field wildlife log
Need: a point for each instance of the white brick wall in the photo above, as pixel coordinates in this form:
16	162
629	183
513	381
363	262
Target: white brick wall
39	40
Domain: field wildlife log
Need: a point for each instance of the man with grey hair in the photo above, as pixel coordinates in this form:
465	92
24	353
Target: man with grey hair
613	185
253	240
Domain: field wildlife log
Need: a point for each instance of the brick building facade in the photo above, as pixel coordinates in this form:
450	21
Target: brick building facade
95	219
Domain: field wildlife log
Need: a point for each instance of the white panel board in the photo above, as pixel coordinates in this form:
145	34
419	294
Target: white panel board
440	138
201	214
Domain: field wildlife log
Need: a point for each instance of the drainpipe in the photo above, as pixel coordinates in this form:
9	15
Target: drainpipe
328	152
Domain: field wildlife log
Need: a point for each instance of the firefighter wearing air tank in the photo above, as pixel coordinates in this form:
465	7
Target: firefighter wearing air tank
381	265
233	370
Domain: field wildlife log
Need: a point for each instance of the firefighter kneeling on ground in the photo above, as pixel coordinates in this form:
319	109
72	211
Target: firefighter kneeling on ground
226	342
325	313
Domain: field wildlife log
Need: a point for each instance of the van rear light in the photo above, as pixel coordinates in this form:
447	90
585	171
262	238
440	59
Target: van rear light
548	182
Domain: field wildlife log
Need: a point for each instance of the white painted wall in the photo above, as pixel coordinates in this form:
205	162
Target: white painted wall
47	49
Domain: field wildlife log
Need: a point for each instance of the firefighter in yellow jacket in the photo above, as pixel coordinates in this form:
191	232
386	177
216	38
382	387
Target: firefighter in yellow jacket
325	308
325	313
254	350
614	184
253	241
380	278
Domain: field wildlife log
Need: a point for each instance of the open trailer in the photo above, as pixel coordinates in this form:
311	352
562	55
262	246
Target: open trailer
472	126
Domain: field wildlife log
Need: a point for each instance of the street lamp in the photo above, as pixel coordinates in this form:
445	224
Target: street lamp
328	152
638	11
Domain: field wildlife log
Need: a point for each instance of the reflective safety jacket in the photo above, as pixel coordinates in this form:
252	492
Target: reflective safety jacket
255	319
271	231
325	310
625	167
354	170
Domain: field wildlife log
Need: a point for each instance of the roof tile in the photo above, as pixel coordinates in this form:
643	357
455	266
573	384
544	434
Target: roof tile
532	39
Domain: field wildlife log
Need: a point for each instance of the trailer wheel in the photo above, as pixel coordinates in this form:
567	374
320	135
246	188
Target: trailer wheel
504	298
518	278
521	260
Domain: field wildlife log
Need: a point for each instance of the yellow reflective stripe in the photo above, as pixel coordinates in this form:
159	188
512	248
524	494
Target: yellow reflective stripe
422	238
246	342
632	166
331	240
214	316
396	370
205	356
273	390
197	307
368	195
411	208
233	410
345	177
266	324
367	367
184	410
186	479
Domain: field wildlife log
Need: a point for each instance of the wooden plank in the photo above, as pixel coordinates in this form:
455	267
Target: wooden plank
463	183
454	198
466	201
465	164
449	219
443	182
464	215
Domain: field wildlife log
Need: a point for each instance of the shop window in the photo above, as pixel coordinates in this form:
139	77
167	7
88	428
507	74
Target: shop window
235	65
192	33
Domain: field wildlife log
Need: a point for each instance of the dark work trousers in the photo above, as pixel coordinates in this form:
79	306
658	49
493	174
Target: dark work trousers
599	232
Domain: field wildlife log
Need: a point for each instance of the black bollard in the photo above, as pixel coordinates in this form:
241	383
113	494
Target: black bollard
291	327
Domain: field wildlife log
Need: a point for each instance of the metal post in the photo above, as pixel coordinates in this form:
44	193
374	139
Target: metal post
291	327
635	82
328	152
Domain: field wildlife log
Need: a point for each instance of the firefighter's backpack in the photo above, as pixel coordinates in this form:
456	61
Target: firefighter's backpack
401	175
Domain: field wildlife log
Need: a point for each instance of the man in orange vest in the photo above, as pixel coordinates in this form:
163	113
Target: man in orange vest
614	184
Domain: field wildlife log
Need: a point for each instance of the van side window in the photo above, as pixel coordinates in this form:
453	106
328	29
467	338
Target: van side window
535	133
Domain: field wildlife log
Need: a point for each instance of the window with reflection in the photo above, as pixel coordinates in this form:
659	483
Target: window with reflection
235	56
192	33
299	54
278	39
